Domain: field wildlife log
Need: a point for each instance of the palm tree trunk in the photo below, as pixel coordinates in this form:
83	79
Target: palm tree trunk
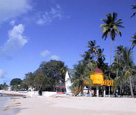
110	58
90	92
116	56
116	59
131	89
81	85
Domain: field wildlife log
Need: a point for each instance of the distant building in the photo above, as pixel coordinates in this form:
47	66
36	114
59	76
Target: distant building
61	87
9	88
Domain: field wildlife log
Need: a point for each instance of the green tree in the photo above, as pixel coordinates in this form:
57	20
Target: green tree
49	74
92	48
29	79
133	40
81	73
54	71
110	27
100	58
117	63
117	59
40	82
3	86
90	54
128	69
15	83
95	55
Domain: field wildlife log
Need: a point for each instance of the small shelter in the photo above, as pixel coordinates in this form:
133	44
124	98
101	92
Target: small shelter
97	78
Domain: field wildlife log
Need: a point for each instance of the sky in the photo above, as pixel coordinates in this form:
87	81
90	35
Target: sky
32	31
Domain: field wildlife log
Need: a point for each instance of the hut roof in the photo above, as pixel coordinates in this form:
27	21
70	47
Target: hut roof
97	70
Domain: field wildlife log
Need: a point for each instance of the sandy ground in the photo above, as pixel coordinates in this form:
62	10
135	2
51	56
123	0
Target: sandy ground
10	106
66	105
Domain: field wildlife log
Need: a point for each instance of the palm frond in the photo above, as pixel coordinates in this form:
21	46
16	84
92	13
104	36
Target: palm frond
133	7
133	14
89	81
104	35
133	40
114	16
110	26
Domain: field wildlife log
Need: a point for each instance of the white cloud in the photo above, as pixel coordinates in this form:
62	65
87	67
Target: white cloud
48	17
2	73
16	41
12	22
13	8
45	53
54	57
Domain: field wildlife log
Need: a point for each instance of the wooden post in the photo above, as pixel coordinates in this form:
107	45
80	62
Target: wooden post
97	91
109	91
104	91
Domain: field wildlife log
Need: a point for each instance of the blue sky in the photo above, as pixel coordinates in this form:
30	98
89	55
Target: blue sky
32	31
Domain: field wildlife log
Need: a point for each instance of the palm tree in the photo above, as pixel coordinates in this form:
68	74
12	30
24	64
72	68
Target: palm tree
78	76
100	57
117	64
86	57
81	76
128	71
92	46
117	61
133	40
111	28
91	53
133	7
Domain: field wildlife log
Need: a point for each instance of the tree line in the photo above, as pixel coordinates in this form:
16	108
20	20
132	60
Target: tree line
3	86
46	77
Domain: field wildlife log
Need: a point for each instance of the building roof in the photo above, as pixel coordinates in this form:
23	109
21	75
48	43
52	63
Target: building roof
62	85
97	70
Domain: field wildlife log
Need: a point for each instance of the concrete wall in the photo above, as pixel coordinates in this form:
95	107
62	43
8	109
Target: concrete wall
44	93
48	94
30	93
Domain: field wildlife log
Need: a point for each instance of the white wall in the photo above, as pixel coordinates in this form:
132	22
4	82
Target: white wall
48	94
31	93
44	93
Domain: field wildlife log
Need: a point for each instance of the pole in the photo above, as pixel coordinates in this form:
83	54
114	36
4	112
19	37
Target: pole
109	91
104	92
97	91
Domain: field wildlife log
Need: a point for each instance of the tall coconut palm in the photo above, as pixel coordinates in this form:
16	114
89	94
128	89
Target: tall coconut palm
91	53
133	7
117	61
86	57
117	64
110	27
100	56
133	40
92	46
128	71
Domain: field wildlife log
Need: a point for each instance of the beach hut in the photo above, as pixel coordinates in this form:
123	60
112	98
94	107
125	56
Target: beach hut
97	78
